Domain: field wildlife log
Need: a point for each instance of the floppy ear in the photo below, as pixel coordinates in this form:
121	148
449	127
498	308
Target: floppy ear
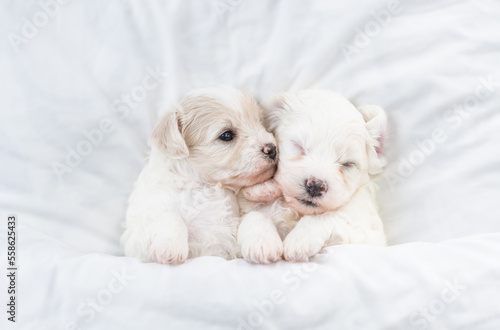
275	106
167	136
376	124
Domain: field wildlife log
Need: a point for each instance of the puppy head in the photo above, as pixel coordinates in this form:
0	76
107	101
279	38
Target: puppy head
328	148
220	132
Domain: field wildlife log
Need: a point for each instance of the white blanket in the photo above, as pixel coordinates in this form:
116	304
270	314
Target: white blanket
83	82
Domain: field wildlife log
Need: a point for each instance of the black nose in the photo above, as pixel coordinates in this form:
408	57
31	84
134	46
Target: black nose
270	150
315	187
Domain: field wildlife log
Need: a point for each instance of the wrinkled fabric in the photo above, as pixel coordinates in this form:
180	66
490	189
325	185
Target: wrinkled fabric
82	84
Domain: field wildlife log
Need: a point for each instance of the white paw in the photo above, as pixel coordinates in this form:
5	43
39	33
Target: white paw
266	192
263	249
169	250
299	248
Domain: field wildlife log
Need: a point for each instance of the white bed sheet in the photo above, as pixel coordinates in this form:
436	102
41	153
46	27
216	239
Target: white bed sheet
71	75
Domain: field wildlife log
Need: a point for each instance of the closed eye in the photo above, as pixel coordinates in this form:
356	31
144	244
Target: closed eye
348	165
299	147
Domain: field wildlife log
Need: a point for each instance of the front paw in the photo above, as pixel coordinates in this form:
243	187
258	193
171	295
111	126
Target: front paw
299	248
266	192
169	250
263	249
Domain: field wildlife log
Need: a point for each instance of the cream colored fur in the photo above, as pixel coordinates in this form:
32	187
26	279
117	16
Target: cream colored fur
184	202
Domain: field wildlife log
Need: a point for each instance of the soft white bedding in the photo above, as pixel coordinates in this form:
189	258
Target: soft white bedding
69	78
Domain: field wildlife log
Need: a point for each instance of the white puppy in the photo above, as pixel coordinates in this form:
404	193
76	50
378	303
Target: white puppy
330	156
184	203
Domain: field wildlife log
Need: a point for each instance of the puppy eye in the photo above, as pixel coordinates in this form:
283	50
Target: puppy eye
299	148
227	136
348	165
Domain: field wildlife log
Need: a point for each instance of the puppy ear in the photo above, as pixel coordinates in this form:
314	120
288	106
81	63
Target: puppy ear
376	124
275	106
167	136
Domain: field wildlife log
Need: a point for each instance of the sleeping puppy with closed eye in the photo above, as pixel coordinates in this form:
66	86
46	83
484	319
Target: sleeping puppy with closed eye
325	185
204	151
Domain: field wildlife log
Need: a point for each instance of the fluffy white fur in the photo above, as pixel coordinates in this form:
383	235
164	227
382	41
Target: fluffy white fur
184	203
330	156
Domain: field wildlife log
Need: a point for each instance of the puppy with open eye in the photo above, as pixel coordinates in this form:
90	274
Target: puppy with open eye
184	202
330	157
